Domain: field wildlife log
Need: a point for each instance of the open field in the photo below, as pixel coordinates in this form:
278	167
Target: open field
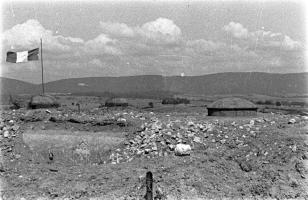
104	153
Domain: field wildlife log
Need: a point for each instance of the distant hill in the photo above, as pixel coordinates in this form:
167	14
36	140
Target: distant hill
213	84
12	86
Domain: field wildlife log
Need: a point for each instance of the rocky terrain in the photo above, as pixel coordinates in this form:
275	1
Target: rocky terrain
191	156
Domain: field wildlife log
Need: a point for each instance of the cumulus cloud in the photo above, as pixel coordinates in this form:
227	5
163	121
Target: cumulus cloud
161	31
117	29
102	44
236	29
28	34
96	62
204	46
262	38
290	44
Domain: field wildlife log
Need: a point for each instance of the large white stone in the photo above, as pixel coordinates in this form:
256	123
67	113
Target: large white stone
6	134
182	149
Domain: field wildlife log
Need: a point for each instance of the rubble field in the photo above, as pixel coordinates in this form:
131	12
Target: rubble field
98	154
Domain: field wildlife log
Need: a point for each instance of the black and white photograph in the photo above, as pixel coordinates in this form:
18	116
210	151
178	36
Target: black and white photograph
153	100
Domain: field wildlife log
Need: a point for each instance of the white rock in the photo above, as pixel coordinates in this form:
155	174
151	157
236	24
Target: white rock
292	121
305	117
139	152
171	147
252	122
121	120
182	149
190	123
197	139
6	134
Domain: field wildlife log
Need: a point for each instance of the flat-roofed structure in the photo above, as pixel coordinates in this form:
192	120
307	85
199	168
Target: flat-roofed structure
232	107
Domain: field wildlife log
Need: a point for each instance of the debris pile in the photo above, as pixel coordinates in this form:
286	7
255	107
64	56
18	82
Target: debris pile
8	129
162	137
157	138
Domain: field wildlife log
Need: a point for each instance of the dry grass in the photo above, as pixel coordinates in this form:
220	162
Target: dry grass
72	147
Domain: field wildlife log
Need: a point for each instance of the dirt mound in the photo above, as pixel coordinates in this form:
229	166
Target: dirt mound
43	101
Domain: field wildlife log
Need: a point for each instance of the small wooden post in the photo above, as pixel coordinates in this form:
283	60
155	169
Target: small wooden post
78	105
149	186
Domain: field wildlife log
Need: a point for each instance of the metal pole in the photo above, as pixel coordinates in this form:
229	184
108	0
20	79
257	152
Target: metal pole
42	67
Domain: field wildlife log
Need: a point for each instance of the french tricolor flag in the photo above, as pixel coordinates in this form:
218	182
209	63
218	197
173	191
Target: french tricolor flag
22	56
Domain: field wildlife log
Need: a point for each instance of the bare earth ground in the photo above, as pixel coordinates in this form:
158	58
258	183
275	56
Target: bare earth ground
105	155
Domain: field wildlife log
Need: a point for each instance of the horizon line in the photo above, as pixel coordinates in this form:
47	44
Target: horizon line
160	75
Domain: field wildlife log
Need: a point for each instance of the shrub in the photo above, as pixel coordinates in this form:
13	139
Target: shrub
285	103
14	102
295	103
151	105
175	101
269	102
121	102
278	103
259	102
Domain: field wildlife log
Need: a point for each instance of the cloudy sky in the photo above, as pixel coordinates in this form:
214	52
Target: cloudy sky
107	38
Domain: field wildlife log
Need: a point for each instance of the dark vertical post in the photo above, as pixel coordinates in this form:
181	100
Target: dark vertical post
78	105
42	67
149	186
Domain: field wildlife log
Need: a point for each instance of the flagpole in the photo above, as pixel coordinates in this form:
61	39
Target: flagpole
42	67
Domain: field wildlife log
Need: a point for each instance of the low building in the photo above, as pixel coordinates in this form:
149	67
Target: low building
232	107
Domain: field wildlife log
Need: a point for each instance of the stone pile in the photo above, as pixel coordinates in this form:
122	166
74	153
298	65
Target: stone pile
8	129
157	138
165	136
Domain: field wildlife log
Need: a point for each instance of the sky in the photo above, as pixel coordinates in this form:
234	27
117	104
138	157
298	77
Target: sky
169	38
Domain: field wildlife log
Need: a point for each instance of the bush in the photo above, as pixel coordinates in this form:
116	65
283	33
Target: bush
151	105
269	102
15	103
285	103
116	102
278	103
300	104
175	101
259	102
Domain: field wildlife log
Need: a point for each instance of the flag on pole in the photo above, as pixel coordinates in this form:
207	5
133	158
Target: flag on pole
22	56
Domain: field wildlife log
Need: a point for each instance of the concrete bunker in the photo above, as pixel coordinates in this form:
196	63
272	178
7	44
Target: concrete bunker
232	107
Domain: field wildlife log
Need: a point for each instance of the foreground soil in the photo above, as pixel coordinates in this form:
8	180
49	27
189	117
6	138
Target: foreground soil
264	157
